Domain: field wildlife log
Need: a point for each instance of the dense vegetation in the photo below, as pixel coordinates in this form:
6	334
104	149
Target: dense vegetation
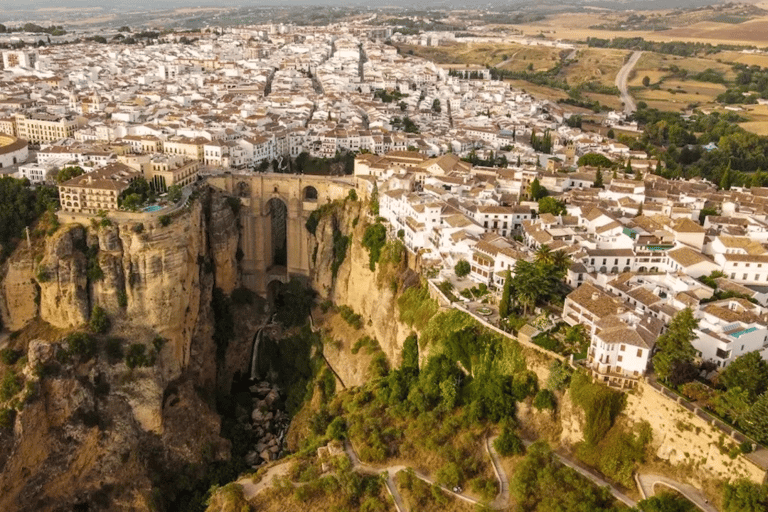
681	48
540	483
20	206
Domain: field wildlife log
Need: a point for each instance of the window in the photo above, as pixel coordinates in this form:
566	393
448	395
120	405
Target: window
621	358
622	348
745	277
639	352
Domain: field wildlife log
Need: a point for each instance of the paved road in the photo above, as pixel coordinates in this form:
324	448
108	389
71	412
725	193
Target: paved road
621	83
502	499
649	484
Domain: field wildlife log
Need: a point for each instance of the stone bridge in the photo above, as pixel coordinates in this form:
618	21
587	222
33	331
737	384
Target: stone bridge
275	209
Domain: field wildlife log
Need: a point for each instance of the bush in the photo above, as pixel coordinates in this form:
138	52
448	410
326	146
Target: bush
337	429
508	443
449	475
99	322
7	416
352	318
559	375
374	238
416	306
122	299
9	356
379	366
137	356
9	386
352	196
485	487
80	344
545	399
462	268
165	220
138	228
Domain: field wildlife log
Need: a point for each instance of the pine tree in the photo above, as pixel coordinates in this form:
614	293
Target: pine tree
725	181
639	210
638	175
504	303
375	200
598	179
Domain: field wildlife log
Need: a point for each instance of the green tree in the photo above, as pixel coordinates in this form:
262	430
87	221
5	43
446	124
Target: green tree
666	502
594	160
174	193
706	212
505	295
674	358
745	496
436	106
508	443
536	191
726	179
67	173
462	268
755	421
748	372
646	81
598	183
410	359
551	205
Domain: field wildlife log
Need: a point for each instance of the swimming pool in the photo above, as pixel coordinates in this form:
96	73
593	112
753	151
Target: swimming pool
153	208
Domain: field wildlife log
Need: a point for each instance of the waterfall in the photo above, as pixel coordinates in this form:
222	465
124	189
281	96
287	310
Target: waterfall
255	356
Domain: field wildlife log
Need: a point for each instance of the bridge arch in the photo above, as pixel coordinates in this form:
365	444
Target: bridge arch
277	210
309	194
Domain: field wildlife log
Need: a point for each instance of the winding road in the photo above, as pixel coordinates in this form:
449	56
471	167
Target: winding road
621	83
649	483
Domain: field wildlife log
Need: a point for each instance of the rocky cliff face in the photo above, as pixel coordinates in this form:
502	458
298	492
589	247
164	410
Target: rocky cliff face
355	285
95	430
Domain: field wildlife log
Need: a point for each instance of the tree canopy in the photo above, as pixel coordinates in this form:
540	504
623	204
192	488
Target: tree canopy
748	372
674	360
594	160
551	205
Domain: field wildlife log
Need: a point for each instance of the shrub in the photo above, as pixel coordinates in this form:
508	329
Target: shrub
374	238
99	322
352	318
165	220
485	487
559	375
243	295
352	196
379	366
137	356
9	386
508	443
122	299
545	399
337	429
7	416
80	344
449	475
138	228
9	356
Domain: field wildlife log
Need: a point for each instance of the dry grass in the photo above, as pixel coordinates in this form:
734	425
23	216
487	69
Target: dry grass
517	56
743	58
595	65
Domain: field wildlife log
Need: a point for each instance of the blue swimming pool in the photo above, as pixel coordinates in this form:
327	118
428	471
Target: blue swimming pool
153	208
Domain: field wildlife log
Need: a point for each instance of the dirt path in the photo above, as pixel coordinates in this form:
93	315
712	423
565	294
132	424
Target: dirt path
621	83
251	488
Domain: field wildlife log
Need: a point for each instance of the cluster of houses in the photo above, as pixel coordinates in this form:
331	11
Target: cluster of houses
250	98
637	248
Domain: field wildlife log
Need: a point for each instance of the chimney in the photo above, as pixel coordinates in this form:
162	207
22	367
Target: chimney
595	295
